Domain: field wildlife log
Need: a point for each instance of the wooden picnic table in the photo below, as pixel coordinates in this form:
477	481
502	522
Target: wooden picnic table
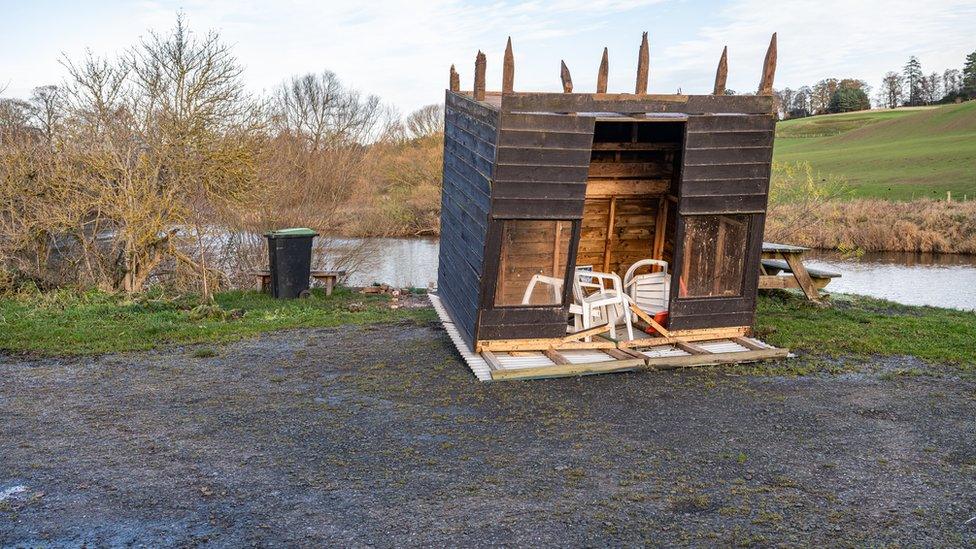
788	259
328	278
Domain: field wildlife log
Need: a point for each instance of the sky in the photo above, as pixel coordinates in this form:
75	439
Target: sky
402	51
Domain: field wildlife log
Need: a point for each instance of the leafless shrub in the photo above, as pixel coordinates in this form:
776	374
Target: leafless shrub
126	156
797	196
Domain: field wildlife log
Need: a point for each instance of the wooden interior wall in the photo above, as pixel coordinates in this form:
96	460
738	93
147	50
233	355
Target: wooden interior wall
470	134
633	169
530	248
632	234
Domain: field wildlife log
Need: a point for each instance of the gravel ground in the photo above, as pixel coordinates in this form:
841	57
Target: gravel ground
380	436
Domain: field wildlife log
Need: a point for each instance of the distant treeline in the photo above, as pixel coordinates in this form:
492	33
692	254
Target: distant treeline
909	88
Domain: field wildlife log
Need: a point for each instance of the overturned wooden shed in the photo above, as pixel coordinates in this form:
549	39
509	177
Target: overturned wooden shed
539	186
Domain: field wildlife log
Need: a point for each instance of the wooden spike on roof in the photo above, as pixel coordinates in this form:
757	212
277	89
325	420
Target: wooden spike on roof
508	69
643	66
769	68
455	80
566	78
722	74
601	75
479	76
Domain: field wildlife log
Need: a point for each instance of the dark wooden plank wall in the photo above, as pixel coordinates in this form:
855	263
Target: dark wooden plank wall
634	104
541	167
725	170
470	134
540	173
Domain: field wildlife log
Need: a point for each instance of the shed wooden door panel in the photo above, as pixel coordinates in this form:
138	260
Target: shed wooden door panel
541	165
722	199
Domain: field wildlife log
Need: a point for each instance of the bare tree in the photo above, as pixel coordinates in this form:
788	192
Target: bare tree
891	93
820	95
47	110
951	81
321	111
426	121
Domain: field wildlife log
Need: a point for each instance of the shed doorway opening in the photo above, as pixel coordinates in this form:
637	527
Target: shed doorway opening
631	193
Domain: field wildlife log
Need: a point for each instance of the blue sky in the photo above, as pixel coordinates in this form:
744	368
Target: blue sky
401	51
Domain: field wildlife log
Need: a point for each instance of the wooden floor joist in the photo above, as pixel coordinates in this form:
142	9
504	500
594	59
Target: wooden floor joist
541	344
687	336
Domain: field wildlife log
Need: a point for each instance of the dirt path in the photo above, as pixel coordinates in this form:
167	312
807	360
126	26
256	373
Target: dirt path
380	436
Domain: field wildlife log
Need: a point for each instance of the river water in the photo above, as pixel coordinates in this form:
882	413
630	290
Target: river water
940	280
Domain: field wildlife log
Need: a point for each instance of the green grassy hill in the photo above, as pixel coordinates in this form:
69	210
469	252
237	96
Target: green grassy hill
897	154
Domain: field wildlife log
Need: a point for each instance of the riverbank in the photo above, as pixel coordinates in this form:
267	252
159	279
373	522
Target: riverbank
874	225
65	323
322	437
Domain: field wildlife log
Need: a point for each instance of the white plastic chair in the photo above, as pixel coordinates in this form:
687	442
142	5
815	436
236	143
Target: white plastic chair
594	300
555	285
650	291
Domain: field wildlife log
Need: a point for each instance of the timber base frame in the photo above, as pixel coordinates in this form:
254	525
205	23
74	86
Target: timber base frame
496	360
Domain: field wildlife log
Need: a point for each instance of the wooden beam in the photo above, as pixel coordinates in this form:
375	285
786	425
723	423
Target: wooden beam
769	68
623	354
802	276
492	360
480	63
722	74
748	344
608	243
508	69
603	72
589	332
455	80
628	146
565	77
710	359
650	321
570	370
608	188
556	246
643	66
540	344
556	357
690	348
687	335
660	228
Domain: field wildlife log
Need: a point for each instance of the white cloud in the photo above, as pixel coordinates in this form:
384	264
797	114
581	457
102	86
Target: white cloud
817	39
401	50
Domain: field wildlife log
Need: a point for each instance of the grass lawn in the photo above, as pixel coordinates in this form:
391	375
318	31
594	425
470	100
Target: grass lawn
862	326
66	323
894	154
71	323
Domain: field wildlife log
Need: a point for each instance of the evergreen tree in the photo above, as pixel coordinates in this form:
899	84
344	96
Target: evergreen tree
913	78
849	99
969	76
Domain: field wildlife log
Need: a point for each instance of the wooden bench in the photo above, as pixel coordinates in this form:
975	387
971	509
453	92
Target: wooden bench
819	277
329	279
